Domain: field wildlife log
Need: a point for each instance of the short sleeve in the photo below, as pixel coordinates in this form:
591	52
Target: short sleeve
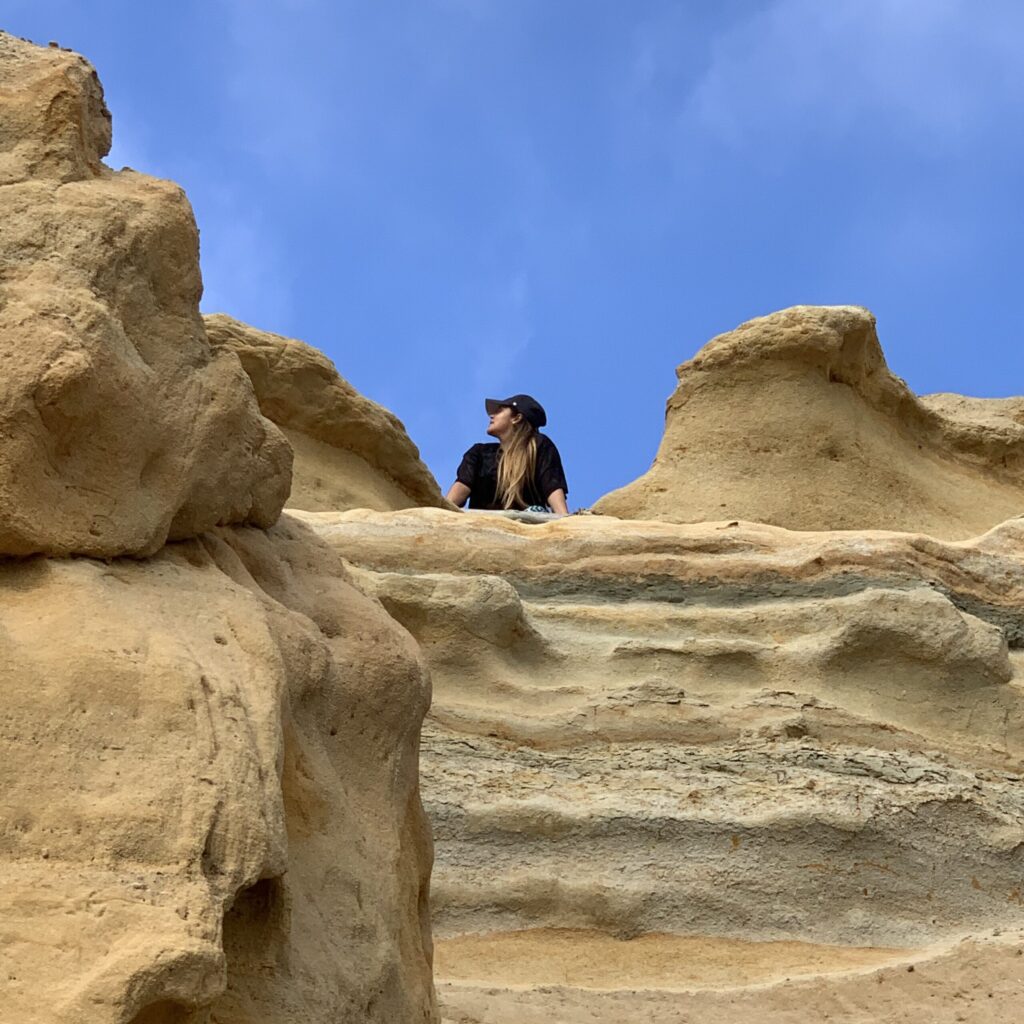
550	475
469	467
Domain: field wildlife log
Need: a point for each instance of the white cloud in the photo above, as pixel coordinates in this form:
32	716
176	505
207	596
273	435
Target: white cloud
807	72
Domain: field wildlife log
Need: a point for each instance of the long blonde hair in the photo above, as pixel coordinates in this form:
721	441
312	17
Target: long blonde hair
517	461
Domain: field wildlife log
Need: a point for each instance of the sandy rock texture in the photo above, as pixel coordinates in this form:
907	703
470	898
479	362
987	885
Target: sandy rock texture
208	790
350	452
55	124
120	426
976	981
209	806
795	419
680	772
676	772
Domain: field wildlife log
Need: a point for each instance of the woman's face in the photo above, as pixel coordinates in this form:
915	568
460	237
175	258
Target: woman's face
502	421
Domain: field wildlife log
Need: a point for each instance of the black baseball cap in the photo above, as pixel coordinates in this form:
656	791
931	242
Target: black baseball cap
531	410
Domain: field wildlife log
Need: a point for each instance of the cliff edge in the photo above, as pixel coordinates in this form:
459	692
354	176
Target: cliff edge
350	452
794	419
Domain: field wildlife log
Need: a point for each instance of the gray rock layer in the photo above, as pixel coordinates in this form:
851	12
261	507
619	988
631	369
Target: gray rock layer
727	730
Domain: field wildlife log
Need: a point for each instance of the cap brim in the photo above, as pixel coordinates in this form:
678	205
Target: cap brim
494	406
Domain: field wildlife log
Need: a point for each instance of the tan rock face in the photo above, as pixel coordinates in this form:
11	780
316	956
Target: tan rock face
701	767
120	427
717	771
55	125
350	452
208	791
794	419
209	808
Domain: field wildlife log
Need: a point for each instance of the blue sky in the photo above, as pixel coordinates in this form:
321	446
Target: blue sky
463	198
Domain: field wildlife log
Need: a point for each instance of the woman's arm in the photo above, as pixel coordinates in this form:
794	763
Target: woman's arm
465	477
551	477
459	492
557	503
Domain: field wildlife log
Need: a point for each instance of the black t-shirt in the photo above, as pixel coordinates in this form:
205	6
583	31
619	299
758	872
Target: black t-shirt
479	472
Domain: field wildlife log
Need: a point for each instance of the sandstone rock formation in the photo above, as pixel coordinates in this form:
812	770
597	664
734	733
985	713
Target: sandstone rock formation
120	427
795	419
55	124
209	808
676	772
208	791
350	452
694	771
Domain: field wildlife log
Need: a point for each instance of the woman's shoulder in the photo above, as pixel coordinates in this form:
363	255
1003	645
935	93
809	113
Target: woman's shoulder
483	450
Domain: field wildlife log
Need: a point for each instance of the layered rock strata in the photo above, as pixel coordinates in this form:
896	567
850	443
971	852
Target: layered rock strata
209	808
731	733
350	452
705	771
795	419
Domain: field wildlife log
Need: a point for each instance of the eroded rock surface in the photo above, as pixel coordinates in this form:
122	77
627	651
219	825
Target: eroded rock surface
728	732
711	771
350	452
121	428
795	419
209	808
208	790
55	124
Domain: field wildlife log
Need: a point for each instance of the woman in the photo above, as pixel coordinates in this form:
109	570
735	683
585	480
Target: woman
523	470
